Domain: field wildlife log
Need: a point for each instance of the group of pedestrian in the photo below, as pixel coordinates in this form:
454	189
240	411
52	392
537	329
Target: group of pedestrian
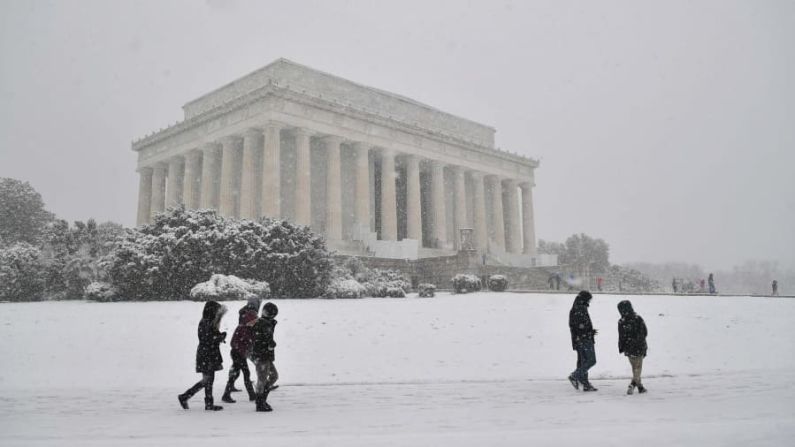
253	339
632	334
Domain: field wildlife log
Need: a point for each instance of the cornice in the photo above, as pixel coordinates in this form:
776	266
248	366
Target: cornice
287	93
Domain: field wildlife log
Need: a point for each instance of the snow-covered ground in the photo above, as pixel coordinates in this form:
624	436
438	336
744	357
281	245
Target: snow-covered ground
467	370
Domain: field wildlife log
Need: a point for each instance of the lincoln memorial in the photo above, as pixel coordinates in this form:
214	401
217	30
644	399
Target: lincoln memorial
377	173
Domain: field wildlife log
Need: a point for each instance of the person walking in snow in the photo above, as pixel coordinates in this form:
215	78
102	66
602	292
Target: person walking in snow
208	355
673	285
241	343
582	341
775	287
252	306
263	353
557	281
632	342
711	282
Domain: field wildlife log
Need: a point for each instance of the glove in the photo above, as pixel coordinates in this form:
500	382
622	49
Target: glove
595	331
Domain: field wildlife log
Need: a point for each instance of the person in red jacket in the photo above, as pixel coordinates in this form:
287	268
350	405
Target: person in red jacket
241	344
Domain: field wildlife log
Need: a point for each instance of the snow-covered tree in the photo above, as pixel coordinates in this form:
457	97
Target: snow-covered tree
21	273
22	213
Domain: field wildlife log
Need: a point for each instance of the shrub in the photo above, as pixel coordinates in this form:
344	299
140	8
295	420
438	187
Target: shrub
166	259
346	288
465	283
22	273
498	283
101	291
385	283
427	290
229	287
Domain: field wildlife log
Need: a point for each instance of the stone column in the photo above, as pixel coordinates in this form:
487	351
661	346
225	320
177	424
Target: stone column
388	196
209	198
228	163
192	180
460	205
249	176
438	213
158	190
333	189
497	222
528	224
362	192
144	195
514	240
271	171
413	207
303	186
481	233
175	180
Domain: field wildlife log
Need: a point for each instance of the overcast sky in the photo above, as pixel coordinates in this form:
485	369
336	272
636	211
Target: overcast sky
666	128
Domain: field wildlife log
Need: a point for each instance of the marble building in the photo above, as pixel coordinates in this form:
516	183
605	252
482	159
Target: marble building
377	173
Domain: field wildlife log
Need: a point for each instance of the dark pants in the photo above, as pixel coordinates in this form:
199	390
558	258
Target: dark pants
239	363
586	358
207	383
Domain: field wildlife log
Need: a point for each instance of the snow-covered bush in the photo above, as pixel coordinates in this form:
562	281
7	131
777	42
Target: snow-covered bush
181	248
427	290
465	283
498	283
346	288
229	287
101	291
22	273
386	283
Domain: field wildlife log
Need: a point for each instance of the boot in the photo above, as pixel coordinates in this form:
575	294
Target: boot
586	386
227	397
252	395
209	406
262	402
641	389
631	388
574	382
183	401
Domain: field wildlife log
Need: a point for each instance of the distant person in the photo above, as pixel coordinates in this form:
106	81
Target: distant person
673	285
241	343
599	281
263	353
632	342
711	282
775	288
582	341
208	355
557	281
570	281
551	281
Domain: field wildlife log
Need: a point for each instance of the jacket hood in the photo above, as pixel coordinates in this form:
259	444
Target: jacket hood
625	308
213	310
583	298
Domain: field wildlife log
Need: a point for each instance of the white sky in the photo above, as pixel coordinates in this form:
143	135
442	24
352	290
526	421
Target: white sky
666	128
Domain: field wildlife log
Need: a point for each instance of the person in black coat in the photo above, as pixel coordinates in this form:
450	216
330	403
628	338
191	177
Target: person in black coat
263	353
208	355
632	342
582	341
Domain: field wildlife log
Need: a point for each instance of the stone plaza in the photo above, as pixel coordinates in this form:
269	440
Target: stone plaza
378	174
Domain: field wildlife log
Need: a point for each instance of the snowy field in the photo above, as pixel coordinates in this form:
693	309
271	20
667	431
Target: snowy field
467	370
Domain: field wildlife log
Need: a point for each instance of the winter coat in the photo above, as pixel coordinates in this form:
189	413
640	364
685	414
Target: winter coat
264	345
208	354
580	322
631	332
243	338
